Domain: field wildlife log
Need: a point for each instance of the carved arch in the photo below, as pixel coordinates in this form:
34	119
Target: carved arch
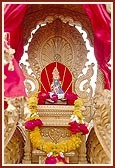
48	15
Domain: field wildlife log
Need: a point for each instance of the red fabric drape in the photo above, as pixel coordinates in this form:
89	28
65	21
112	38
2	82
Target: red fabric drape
14	83
13	16
101	24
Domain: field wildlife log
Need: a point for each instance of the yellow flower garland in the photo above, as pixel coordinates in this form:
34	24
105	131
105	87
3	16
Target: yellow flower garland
64	146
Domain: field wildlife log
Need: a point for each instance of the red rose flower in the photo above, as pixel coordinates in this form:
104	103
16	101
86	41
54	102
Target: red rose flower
54	97
74	127
50	160
40	101
83	129
38	122
71	97
42	96
30	125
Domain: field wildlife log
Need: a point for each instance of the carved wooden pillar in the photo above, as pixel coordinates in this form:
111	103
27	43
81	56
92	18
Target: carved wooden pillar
82	151
27	150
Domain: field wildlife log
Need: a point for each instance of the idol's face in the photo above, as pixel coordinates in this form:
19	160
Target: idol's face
56	78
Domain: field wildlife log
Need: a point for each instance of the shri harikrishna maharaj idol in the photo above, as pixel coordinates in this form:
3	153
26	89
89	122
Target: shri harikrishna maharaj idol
56	84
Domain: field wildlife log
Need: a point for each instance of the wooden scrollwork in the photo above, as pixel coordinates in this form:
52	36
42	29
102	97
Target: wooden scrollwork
102	120
95	152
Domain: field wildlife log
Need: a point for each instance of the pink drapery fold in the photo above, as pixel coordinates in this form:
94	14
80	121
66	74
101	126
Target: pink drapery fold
101	24
13	84
13	16
16	42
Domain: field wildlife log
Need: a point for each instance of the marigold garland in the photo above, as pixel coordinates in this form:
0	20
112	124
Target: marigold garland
77	128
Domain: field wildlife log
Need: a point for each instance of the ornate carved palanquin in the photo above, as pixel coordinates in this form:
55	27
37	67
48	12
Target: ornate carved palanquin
57	40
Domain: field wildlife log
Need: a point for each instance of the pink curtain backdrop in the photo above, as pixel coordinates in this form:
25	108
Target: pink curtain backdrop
13	16
101	24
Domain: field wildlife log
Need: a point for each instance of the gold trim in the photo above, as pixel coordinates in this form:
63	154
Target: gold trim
43	86
48	78
68	87
64	75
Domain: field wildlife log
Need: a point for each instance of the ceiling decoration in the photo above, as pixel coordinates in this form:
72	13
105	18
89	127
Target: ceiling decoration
38	14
